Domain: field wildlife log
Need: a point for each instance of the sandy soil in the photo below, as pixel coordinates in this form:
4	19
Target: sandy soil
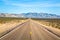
8	26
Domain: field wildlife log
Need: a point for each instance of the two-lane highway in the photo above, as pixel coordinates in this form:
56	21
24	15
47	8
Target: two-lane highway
30	30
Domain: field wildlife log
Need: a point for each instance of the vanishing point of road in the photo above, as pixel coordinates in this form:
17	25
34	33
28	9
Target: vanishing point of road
30	30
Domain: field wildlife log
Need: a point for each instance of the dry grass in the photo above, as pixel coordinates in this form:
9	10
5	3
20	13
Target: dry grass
7	24
50	22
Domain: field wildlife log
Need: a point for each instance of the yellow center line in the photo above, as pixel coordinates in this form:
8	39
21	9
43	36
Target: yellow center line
30	33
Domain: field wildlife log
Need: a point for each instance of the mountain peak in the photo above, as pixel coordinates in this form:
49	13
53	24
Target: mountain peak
31	15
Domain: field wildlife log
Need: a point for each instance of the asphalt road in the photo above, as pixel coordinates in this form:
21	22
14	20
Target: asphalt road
30	30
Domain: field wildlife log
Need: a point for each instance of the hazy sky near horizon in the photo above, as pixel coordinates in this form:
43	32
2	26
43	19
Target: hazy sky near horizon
24	6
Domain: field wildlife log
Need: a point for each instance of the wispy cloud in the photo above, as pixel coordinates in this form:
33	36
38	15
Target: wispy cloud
35	4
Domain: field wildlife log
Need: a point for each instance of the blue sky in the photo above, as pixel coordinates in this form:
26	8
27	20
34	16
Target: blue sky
24	6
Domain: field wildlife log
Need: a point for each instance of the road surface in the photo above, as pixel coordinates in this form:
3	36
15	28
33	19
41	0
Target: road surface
30	30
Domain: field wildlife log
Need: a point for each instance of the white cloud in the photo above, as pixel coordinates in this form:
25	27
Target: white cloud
34	4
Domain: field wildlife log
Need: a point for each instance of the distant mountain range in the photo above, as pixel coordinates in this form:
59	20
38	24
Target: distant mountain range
30	15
